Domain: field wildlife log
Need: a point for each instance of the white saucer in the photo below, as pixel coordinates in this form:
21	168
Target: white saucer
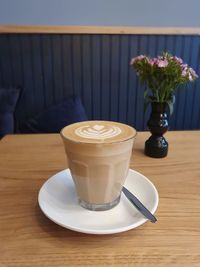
58	201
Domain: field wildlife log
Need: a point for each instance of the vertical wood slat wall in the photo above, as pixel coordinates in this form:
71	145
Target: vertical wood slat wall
51	67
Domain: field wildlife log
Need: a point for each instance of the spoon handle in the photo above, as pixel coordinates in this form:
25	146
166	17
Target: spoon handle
139	206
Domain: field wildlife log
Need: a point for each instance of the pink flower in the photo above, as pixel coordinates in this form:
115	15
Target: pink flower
184	73
184	66
153	61
178	60
141	57
190	77
162	63
133	60
188	72
193	73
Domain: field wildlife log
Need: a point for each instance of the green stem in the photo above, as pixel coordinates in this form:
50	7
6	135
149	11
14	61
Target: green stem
157	96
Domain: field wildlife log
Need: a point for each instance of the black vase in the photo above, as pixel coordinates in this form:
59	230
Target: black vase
156	146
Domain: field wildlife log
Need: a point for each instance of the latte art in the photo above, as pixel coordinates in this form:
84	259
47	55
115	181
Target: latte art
95	132
98	131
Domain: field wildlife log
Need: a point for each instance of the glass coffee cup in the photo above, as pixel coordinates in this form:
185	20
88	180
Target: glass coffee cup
98	154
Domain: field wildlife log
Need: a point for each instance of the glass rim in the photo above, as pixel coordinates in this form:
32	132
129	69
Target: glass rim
99	143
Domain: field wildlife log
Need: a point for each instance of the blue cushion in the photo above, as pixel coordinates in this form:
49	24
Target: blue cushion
8	101
56	117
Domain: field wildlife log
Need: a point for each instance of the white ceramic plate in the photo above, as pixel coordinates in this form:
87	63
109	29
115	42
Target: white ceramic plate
58	201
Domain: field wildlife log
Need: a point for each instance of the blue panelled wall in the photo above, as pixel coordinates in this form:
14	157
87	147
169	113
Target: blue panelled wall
96	67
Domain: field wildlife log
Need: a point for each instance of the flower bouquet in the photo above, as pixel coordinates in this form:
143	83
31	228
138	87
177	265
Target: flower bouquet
162	75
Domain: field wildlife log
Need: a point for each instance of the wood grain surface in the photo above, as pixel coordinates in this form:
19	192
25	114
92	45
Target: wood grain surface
70	29
28	238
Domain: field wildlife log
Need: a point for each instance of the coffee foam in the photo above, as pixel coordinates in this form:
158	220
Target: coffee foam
98	131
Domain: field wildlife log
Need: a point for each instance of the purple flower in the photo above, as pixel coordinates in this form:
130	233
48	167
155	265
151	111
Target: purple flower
162	63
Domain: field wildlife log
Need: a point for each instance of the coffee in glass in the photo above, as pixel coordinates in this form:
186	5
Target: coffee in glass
98	155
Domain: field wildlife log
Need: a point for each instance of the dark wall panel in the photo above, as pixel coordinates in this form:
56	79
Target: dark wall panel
96	67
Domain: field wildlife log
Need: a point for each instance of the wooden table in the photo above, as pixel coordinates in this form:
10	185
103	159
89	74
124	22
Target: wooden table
28	238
